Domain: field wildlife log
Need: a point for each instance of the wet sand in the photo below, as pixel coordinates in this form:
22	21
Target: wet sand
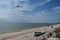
28	34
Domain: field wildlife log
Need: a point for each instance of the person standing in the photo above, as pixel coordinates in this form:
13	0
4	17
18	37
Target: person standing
48	25
51	25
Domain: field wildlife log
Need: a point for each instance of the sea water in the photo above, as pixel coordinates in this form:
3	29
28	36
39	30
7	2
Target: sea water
14	27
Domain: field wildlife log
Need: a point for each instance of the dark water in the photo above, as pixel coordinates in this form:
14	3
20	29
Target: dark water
13	27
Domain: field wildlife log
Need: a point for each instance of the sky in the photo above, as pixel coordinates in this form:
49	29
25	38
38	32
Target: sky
30	11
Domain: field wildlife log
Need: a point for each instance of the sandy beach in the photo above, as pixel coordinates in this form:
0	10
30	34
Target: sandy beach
28	34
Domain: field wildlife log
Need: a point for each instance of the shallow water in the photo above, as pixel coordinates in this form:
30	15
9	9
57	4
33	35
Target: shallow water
13	27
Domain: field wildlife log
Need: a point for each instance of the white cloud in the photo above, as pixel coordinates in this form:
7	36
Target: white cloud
23	6
38	17
27	7
43	16
5	3
57	7
11	12
41	3
3	16
57	10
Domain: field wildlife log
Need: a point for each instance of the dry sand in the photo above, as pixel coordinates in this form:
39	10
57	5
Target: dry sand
28	34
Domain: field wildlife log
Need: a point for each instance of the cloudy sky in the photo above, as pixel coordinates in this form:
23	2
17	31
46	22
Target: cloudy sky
30	11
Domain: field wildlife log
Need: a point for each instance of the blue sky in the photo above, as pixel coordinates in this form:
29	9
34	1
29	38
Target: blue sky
30	11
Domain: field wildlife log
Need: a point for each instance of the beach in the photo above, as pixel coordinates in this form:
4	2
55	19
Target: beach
28	34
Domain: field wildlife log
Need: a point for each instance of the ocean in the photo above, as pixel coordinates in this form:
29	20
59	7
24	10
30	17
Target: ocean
15	27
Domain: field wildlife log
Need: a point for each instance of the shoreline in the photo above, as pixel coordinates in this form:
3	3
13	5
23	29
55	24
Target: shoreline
21	30
16	34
